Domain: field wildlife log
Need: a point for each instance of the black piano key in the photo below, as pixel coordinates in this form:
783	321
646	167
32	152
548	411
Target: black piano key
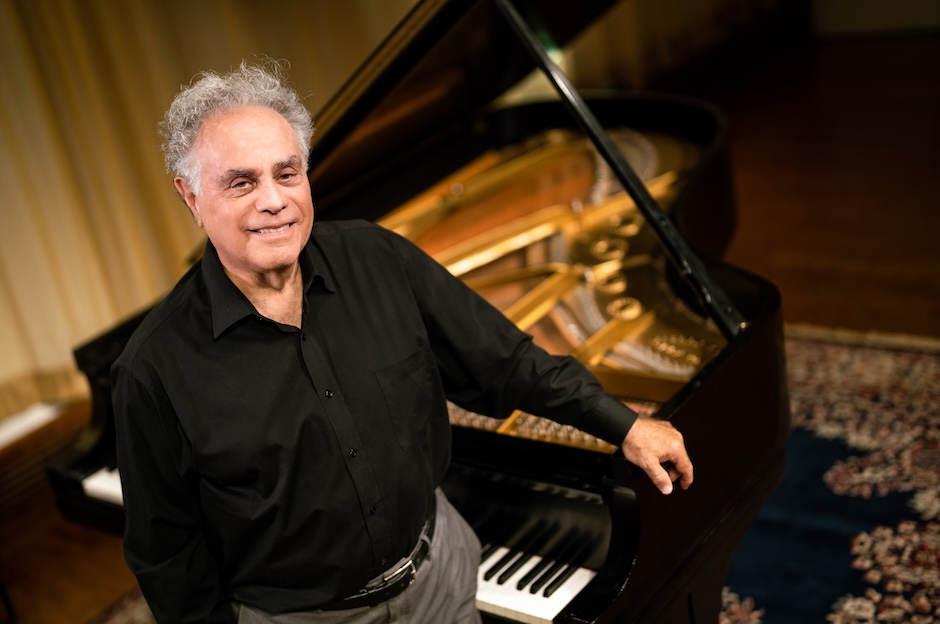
502	527
516	548
488	550
546	576
559	562
482	526
558	549
571	568
533	573
536	545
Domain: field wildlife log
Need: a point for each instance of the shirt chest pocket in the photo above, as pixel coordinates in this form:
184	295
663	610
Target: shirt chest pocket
407	389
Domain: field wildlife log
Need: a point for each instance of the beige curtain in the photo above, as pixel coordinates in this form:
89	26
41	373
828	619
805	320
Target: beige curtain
91	229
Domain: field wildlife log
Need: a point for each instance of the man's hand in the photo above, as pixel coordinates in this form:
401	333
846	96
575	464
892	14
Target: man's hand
650	444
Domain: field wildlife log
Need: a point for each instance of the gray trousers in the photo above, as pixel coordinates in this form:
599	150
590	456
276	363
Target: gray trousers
443	593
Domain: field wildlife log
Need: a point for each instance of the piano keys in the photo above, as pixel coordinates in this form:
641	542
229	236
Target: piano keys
521	203
105	485
526	587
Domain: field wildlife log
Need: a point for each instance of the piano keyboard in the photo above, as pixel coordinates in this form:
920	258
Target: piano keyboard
512	581
534	591
104	484
530	570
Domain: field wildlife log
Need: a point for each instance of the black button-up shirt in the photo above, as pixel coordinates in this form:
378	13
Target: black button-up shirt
285	467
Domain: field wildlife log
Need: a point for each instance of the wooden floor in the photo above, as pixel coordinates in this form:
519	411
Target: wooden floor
836	152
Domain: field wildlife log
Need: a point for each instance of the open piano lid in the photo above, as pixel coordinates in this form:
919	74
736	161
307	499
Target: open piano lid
446	61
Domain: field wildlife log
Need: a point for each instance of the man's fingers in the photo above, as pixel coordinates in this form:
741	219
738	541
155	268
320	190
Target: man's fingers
684	468
660	478
658	448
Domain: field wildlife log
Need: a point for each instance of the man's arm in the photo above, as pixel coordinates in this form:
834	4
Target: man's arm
490	366
164	542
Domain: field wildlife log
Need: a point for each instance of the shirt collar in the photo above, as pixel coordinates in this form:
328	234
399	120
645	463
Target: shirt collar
229	305
316	266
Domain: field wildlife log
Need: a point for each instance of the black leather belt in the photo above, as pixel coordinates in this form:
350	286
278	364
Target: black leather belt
394	582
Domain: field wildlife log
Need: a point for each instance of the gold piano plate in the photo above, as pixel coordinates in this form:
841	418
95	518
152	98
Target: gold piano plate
545	233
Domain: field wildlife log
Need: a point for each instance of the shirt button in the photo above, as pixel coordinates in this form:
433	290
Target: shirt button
383	562
352	452
372	510
329	394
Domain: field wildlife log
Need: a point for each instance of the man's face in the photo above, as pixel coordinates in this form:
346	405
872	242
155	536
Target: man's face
254	201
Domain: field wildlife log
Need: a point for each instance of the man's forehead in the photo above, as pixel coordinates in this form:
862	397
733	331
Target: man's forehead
244	114
246	127
248	138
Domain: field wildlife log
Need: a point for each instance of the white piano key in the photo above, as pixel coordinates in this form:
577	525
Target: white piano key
104	484
505	600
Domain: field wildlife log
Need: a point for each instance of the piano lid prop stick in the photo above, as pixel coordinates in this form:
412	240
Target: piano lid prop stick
723	311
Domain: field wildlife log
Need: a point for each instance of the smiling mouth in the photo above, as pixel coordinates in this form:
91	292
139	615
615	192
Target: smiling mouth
271	230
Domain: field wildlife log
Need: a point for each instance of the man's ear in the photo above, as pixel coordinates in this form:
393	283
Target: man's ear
186	192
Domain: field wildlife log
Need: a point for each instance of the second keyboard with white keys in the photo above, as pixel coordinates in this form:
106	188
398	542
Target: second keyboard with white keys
104	484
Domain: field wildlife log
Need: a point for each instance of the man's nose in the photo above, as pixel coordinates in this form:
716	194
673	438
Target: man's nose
270	197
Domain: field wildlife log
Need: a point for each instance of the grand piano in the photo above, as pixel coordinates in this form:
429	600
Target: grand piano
597	223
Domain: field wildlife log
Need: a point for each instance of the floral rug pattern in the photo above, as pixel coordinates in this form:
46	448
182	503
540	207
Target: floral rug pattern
883	403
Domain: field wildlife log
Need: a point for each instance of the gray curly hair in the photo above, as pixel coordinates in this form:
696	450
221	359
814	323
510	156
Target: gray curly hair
258	85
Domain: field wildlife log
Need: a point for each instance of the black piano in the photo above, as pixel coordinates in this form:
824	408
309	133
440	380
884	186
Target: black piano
595	222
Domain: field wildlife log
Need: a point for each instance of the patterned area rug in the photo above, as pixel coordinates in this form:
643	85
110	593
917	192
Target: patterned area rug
852	535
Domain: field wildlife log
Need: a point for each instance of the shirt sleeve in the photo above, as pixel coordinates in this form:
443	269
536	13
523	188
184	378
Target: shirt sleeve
491	367
164	542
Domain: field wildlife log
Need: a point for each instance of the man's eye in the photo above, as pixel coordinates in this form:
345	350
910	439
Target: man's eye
239	184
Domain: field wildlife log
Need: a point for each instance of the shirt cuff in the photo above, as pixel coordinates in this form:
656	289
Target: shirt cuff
610	420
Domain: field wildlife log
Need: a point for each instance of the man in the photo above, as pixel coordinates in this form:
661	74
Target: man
281	415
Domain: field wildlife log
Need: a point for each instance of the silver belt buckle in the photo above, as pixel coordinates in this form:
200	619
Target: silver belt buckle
405	566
